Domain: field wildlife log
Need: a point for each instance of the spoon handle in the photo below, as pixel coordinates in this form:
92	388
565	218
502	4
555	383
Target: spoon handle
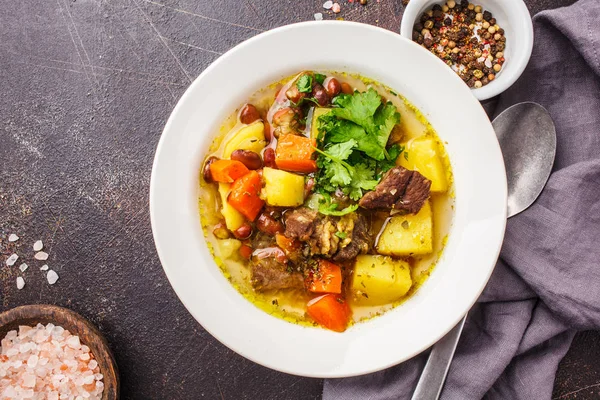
434	374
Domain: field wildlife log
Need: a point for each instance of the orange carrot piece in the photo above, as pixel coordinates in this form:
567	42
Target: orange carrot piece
325	278
287	245
244	195
330	311
294	154
227	170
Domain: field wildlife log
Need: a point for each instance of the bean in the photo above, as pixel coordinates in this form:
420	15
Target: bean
294	94
220	231
346	88
249	114
333	87
243	232
245	251
206	171
268	225
247	157
320	95
269	158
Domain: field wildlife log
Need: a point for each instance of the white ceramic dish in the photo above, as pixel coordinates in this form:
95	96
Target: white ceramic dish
474	241
513	16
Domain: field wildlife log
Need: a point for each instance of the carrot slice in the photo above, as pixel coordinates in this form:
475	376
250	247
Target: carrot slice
330	311
287	245
325	278
244	195
227	171
294	154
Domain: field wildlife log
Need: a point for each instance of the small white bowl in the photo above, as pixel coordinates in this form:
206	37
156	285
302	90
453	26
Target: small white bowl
512	15
473	243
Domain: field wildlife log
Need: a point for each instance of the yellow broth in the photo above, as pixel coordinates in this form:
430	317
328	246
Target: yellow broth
290	305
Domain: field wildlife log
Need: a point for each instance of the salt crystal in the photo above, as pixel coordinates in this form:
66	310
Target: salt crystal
73	342
85	349
23	267
44	267
10	261
32	361
38	245
41	255
318	17
336	8
92	364
20	283
28	380
328	4
84	357
488	63
12	237
24	330
52	277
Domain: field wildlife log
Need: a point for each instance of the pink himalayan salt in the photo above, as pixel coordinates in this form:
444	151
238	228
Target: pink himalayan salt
47	362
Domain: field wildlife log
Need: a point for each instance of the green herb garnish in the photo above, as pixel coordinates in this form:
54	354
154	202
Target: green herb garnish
320	78
304	84
341	235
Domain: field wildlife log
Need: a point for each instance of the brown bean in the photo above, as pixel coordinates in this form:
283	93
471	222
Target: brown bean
247	157
206	171
268	225
320	95
294	94
243	232
268	132
249	114
347	89
220	231
269	158
333	87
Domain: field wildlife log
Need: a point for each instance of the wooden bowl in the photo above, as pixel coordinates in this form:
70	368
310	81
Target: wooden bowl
89	335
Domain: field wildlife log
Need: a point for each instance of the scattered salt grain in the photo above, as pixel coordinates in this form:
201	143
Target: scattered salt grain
318	17
10	261
336	8
328	4
52	277
38	245
41	363
44	267
12	237
23	267
41	255
20	283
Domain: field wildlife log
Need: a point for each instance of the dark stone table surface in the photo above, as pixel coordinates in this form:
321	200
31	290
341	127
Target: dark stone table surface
87	86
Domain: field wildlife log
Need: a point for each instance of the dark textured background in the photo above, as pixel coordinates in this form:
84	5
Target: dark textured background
86	87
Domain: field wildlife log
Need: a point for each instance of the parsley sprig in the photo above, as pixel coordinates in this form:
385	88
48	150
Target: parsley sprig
353	154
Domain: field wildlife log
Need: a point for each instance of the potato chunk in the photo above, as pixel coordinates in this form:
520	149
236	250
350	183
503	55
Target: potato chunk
407	235
283	189
380	279
251	137
227	247
422	155
233	218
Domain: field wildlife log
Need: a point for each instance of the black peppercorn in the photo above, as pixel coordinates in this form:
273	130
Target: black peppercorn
437	7
438	13
487	15
437	24
447	21
424	18
493	21
419	26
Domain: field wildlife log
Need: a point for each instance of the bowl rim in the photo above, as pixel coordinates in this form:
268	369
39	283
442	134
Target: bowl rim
521	57
154	211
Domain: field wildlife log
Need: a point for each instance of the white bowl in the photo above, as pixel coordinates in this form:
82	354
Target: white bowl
513	16
475	237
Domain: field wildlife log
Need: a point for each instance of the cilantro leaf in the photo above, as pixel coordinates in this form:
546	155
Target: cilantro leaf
304	84
343	150
385	119
331	209
339	131
320	78
341	235
393	153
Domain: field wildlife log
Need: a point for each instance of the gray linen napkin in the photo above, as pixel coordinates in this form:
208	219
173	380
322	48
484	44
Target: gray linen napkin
546	284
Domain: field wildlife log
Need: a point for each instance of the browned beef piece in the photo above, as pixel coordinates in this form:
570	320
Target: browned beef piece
269	274
400	189
360	244
300	223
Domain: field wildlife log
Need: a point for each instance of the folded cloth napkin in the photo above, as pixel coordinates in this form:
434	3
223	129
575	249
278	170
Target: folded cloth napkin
545	285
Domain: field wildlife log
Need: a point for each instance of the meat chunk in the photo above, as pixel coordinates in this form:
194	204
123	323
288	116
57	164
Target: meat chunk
400	189
300	223
360	242
269	274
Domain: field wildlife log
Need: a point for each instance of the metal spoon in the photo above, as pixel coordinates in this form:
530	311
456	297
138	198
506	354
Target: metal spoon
527	138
